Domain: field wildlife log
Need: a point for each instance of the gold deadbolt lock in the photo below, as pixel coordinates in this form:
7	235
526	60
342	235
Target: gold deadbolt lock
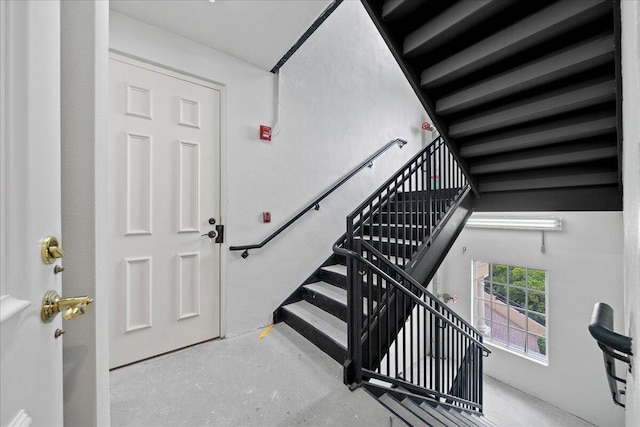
52	304
50	250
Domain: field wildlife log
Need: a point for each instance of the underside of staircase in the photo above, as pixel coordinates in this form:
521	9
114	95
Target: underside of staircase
526	96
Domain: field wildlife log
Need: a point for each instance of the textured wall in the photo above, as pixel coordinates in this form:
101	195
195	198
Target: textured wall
631	146
342	98
584	264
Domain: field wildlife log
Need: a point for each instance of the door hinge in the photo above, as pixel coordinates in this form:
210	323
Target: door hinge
220	231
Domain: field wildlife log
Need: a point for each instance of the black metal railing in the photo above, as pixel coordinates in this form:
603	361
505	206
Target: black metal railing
406	337
407	210
614	346
316	203
432	351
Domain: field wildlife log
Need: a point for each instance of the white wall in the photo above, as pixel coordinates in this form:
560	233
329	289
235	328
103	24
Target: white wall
584	264
84	56
631	178
342	98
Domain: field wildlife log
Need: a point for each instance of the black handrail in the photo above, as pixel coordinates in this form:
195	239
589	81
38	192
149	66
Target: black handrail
396	329
601	328
316	203
349	253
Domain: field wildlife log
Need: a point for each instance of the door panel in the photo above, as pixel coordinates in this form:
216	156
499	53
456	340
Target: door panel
30	355
164	188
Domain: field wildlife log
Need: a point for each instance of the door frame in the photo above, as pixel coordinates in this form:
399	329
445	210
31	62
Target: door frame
191	78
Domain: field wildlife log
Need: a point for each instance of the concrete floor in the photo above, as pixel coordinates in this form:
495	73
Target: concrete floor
280	380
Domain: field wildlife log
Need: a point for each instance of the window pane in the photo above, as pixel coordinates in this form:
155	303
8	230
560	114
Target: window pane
510	306
537	302
517	276
483	309
517	296
498	333
483	325
537	279
537	324
517	338
499	292
499	313
537	345
500	273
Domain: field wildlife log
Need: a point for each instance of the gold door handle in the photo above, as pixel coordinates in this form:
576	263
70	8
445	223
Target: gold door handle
52	304
50	250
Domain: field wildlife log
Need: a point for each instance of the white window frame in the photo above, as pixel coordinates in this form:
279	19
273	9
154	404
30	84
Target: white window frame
485	322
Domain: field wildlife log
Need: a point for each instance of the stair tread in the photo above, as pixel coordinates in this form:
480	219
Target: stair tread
426	415
330	325
336	293
392	240
328	290
342	269
336	268
437	410
482	420
401	411
463	418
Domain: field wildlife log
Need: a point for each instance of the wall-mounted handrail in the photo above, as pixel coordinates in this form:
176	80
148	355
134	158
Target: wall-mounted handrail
611	344
316	203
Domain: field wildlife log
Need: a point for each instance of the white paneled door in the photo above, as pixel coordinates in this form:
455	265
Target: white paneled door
164	170
30	210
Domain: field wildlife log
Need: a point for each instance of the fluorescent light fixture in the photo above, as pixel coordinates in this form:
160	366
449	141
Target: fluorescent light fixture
515	222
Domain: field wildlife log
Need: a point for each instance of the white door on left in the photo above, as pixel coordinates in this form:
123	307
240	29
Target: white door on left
30	354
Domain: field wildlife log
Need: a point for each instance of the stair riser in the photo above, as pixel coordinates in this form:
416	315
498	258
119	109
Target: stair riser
407	218
405	233
340	281
414	205
317	337
329	305
336	279
444	193
394	249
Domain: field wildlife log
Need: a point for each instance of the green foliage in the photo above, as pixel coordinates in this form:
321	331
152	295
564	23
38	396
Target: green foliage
542	345
510	283
499	273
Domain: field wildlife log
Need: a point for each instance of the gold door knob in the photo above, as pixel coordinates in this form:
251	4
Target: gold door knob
52	304
50	250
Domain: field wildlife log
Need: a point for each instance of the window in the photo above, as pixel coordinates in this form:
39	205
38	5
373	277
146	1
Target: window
510	307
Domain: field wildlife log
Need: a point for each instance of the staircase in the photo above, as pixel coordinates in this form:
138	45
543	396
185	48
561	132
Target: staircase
364	304
417	412
527	97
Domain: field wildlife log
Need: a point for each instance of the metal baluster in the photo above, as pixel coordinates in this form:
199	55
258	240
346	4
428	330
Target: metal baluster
418	336
421	234
378	315
388	341
480	373
369	315
395	324
427	339
427	223
437	332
